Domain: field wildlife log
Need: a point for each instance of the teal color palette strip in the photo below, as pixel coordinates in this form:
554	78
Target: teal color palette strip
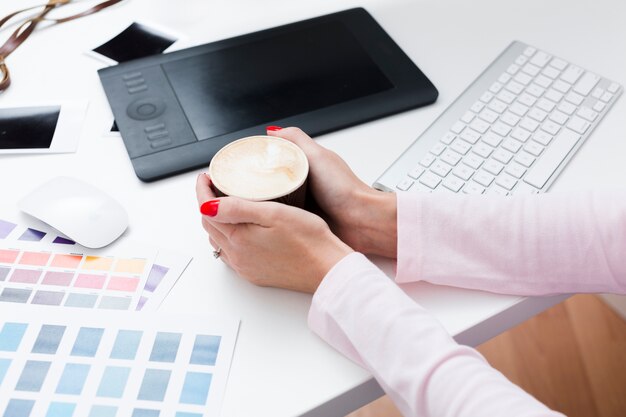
142	412
19	408
103	411
126	344
73	378
154	385
33	375
165	347
11	336
61	409
205	350
195	388
87	342
48	339
113	382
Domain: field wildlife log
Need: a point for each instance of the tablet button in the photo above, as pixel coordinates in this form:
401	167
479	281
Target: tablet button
146	108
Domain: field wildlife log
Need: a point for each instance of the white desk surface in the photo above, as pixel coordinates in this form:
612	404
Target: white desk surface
280	368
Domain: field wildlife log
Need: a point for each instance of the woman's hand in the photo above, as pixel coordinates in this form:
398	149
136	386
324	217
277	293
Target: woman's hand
359	215
269	244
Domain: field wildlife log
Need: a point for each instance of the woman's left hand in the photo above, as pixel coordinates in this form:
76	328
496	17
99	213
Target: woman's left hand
267	243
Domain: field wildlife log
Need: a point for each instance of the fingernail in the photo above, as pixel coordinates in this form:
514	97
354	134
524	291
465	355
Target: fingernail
273	128
210	208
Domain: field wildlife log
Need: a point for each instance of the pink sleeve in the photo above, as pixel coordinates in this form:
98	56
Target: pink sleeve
364	315
525	245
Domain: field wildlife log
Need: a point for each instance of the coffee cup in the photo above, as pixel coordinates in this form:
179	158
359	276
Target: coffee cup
261	168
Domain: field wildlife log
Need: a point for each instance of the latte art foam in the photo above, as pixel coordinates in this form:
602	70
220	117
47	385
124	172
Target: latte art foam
259	168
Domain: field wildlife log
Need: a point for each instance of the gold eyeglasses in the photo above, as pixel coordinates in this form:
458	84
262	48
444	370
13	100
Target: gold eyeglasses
25	28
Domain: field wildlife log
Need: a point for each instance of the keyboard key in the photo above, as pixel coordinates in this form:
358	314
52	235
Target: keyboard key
599	106
405	184
516	170
587	113
470	136
572	74
515	87
473	188
578	125
497	106
552	158
527	99
613	88
574	98
506	181
458	127
540	59
511	145
473	161
538	114
542	137
533	148
522	78
519	109
525	159
551	127
460	147
489	115
483	150
428	160
529	124
529	51
551	72
468	117
493	167
448	138
479	126
545	105
486	97
501	129
606	97
512	69
561	86
586	83
477	107
506	96
463	171
450	157
502	156
495	87
453	183
520	134
597	93
504	78
543	81
559	117
483	178
437	149
531	69
440	168
510	119
554	95
492	139
558	64
430	180
521	60
535	90
416	172
567	108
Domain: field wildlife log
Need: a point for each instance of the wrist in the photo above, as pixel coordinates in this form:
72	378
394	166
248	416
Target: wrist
376	221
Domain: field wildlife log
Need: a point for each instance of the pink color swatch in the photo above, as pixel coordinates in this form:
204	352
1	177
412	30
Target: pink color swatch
66	261
90	281
58	278
8	256
27	276
34	258
123	284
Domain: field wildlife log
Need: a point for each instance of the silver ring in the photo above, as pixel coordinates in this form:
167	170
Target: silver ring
217	253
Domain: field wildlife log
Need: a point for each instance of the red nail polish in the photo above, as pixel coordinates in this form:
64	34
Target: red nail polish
210	208
273	128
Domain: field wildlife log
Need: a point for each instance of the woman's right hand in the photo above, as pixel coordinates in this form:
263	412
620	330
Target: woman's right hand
364	218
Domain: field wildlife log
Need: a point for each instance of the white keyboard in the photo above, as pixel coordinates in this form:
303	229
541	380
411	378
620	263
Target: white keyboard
511	131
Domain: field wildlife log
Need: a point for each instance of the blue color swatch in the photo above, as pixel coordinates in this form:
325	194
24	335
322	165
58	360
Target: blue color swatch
81	300
185	414
113	382
165	347
205	350
15	295
48	339
4	272
103	411
32	235
87	342
126	344
19	408
11	336
4	367
142	412
33	375
195	388
63	241
73	379
61	410
154	385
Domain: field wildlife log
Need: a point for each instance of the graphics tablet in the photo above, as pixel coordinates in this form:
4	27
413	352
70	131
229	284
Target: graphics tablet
176	110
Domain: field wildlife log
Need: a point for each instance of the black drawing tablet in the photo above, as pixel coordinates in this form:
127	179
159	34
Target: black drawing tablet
176	110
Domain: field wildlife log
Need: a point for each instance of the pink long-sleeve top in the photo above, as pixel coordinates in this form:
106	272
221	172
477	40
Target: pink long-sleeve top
527	245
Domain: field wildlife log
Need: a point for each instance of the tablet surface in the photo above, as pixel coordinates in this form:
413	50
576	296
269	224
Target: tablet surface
175	111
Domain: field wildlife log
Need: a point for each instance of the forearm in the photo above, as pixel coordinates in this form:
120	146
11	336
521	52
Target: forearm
527	245
360	312
376	221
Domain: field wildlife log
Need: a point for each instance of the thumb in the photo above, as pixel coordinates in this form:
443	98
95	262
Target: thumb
297	136
235	210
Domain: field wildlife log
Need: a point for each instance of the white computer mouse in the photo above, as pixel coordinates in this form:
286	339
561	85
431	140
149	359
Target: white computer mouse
79	210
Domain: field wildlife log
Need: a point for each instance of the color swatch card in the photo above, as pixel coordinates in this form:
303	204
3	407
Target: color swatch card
167	268
55	363
34	273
